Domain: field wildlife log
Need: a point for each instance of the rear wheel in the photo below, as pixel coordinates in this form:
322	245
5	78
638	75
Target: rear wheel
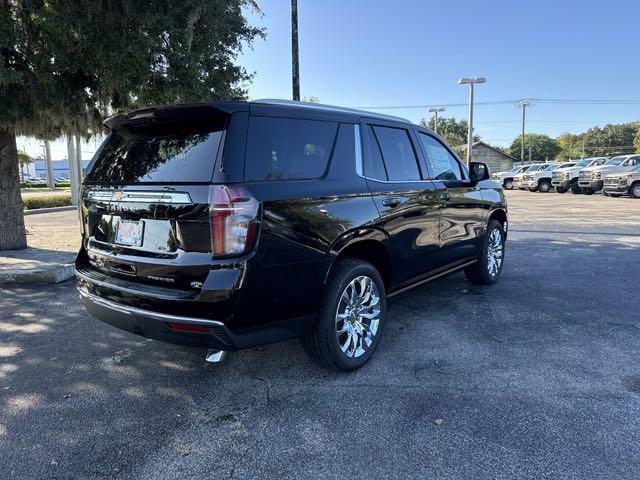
351	317
544	186
508	184
634	190
487	269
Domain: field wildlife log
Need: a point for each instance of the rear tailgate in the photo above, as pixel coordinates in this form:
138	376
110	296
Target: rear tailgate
145	200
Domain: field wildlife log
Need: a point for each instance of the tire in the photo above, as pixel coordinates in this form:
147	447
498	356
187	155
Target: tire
588	191
561	190
634	190
508	184
544	186
325	344
534	189
575	188
480	272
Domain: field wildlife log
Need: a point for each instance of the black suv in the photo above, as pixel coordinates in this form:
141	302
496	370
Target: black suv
231	224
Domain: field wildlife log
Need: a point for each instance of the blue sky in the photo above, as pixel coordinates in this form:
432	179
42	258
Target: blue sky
361	53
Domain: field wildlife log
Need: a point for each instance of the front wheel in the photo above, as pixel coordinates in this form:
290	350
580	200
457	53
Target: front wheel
487	269
544	186
508	184
351	317
575	188
634	190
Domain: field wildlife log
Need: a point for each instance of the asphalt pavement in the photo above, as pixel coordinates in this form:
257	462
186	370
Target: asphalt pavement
536	377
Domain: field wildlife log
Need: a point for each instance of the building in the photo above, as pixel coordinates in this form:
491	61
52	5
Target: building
60	168
497	160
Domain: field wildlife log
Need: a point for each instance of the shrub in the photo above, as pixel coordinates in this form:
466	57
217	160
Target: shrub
44	200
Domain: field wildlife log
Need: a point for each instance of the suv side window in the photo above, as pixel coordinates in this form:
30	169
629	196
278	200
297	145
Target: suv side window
443	165
288	148
373	164
397	152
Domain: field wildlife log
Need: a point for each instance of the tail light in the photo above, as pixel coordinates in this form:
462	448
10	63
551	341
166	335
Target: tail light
234	220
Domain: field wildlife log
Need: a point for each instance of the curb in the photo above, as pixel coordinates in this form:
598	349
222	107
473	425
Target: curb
35	211
52	273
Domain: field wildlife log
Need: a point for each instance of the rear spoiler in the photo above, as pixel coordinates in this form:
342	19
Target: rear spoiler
170	114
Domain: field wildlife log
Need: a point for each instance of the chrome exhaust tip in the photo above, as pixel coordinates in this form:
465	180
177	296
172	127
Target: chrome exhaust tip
215	356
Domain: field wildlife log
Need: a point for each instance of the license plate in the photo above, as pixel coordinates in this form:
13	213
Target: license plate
129	232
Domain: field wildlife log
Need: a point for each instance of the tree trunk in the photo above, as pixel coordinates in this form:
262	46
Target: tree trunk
12	233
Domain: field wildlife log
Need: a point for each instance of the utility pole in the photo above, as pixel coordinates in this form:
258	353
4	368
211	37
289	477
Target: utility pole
78	158
530	159
435	120
471	82
524	104
47	162
295	66
74	176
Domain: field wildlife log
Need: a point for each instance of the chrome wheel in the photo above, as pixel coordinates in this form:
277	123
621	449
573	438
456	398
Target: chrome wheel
495	252
358	316
635	191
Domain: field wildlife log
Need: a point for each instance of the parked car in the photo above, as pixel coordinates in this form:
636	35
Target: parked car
230	224
540	179
591	179
566	178
626	183
518	179
506	178
37	182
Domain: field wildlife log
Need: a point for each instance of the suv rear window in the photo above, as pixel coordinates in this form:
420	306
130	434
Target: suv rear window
147	158
287	148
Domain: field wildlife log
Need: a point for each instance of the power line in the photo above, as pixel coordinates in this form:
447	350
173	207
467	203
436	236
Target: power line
568	101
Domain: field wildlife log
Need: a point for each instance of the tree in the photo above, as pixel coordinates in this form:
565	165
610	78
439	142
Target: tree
64	66
452	130
24	159
543	147
611	139
570	146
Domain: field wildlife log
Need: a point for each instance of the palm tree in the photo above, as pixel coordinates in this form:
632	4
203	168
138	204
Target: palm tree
24	159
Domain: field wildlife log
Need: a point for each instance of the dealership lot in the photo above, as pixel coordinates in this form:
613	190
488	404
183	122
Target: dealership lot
536	377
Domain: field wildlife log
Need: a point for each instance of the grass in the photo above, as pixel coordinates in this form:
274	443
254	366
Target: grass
47	199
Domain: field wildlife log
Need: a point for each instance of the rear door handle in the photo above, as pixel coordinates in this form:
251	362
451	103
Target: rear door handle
391	202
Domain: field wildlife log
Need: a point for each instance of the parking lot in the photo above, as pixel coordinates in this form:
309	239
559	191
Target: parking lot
535	377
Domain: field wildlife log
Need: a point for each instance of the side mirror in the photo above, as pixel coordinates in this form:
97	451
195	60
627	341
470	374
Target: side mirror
479	171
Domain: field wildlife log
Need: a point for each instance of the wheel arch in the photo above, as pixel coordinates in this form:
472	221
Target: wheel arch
369	245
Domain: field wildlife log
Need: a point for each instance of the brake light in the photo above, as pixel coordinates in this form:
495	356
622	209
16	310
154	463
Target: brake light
234	220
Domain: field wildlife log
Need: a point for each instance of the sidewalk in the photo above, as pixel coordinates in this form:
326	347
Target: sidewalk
53	239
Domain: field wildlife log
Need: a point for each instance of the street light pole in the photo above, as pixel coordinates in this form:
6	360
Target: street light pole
524	104
295	66
471	82
435	120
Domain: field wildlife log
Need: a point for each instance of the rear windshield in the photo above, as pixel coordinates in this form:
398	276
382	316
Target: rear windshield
287	148
182	158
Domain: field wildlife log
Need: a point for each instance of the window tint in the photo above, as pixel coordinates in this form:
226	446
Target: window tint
399	157
150	158
287	149
373	165
443	165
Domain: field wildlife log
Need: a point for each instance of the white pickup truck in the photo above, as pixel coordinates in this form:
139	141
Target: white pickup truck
566	178
506	178
539	179
592	179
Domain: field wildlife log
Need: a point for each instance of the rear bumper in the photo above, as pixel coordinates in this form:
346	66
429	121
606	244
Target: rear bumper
155	325
218	336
